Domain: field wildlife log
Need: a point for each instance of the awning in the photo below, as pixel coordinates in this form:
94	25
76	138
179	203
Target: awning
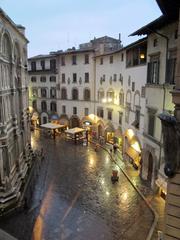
131	152
118	133
74	130
54	117
52	126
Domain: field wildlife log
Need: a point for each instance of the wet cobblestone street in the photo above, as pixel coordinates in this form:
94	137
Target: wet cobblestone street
74	198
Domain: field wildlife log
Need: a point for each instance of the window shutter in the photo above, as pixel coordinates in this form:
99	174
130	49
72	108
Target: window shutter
149	72
157	73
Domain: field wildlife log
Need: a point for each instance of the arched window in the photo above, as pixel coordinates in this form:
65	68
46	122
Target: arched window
16	54
63	93
75	94
43	106
43	92
110	95
100	95
53	107
121	98
87	95
6	47
53	92
34	104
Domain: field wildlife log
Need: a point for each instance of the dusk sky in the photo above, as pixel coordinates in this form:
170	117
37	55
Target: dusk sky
60	24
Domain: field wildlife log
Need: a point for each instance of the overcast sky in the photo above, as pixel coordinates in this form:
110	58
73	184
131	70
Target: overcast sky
59	24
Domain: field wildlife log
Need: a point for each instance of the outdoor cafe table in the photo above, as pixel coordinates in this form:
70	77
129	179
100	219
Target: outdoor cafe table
52	126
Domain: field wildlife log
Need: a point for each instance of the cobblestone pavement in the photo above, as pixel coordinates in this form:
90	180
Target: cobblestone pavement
74	198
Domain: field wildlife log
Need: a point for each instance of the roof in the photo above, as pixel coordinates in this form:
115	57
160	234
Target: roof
169	8
57	53
40	56
104	38
153	26
133	44
13	24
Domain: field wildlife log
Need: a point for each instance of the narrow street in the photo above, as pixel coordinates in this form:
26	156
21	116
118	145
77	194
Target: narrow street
74	198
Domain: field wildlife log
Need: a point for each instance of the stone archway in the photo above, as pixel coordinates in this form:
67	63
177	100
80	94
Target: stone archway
100	130
74	122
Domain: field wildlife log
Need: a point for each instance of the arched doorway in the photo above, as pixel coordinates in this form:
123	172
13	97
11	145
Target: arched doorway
100	130
74	122
150	167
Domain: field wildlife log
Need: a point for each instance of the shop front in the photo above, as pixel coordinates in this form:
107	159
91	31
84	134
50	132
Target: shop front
132	148
161	182
118	137
35	120
109	133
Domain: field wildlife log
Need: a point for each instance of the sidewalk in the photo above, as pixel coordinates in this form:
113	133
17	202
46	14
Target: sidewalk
157	203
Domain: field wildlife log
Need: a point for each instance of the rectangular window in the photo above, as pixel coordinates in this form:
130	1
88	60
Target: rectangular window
127	112
43	79
53	65
151	124
53	92
86	111
43	93
100	112
143	92
74	110
133	86
122	57
109	115
74	60
87	77
42	64
153	71
115	77
101	61
137	119
86	58
120	117
33	79
63	61
74	78
52	79
111	59
63	78
64	109
170	70
33	66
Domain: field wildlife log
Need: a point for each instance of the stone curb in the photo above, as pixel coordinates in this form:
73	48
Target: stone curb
150	234
6	236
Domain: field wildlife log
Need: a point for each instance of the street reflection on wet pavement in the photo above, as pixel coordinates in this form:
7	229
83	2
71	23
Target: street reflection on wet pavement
74	198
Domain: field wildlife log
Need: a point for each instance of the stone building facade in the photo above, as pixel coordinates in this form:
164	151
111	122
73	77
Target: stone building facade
14	124
118	93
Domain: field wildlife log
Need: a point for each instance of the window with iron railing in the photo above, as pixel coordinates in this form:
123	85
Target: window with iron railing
170	70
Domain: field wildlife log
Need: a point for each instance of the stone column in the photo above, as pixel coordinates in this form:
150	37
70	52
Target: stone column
172	211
